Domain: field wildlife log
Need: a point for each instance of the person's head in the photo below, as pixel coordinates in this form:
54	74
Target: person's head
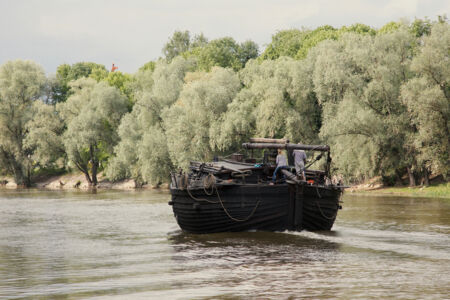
280	151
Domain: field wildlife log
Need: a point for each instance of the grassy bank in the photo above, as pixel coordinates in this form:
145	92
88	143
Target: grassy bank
441	190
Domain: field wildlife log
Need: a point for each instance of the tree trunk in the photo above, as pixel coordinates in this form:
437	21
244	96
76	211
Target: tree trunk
399	175
28	178
412	180
21	179
94	172
88	178
94	166
426	177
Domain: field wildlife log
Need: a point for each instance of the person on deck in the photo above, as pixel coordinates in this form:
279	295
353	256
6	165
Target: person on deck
300	161
281	164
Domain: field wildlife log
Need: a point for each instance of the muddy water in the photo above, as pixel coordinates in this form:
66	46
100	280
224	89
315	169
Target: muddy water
126	245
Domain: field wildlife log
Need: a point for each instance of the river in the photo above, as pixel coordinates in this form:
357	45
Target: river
127	245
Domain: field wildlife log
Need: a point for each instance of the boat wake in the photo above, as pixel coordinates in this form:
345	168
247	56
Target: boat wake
429	245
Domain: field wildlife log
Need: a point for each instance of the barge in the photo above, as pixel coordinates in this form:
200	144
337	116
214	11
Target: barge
236	194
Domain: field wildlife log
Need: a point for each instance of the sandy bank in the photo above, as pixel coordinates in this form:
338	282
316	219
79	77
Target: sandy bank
76	181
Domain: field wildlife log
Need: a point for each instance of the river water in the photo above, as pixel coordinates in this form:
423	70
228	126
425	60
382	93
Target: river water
127	245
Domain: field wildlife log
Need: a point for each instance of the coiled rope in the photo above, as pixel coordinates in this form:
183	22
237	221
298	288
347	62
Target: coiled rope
209	182
184	182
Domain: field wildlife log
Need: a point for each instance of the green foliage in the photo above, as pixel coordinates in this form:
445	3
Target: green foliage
150	66
199	41
181	42
286	106
379	98
66	73
358	81
297	43
247	50
390	27
92	115
323	33
177	44
420	27
139	83
428	100
441	190
225	53
284	43
359	28
314	37
44	137
154	155
236	125
277	101
21	83
98	74
122	82
141	128
188	123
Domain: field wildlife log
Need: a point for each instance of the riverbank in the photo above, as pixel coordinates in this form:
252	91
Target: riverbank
441	190
76	181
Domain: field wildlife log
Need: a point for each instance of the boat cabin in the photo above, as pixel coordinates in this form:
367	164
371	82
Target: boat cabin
249	169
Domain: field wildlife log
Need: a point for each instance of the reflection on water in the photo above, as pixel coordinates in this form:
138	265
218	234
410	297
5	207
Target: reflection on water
128	245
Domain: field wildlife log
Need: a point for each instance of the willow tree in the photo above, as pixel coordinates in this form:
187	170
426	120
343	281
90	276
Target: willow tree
189	122
357	81
121	81
236	125
427	98
21	83
297	43
181	42
224	52
44	138
92	114
277	101
142	152
66	73
284	43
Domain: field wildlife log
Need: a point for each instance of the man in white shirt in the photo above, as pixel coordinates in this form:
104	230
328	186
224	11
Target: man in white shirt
299	161
281	164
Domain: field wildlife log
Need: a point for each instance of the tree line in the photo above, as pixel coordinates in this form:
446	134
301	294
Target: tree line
379	98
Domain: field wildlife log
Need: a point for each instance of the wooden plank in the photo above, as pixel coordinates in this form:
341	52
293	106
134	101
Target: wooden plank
266	140
287	146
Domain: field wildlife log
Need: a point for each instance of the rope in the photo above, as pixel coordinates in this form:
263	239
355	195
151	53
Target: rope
184	183
317	190
209	182
201	199
320	209
317	158
231	217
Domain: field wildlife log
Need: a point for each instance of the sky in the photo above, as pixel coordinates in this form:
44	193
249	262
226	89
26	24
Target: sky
132	32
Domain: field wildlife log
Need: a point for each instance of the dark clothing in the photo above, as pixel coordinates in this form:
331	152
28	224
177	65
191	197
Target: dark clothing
274	177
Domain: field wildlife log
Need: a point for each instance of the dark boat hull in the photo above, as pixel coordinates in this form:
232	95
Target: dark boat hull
244	207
